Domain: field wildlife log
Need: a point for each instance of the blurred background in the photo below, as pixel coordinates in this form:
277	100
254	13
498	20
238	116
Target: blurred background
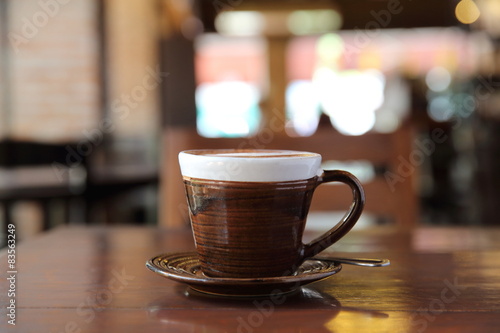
97	97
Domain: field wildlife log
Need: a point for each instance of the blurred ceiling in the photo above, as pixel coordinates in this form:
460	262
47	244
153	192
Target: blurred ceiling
357	14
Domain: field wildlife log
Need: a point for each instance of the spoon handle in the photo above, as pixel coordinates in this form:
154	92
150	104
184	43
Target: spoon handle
356	261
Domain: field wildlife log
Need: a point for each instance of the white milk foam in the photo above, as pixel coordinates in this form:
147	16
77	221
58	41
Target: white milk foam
250	166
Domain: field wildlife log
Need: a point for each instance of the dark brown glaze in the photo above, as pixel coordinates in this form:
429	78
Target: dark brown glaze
248	229
254	229
348	221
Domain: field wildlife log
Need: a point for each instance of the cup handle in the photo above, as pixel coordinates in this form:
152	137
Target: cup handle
348	221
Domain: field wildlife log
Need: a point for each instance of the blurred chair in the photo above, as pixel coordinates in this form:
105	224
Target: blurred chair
394	199
41	172
112	179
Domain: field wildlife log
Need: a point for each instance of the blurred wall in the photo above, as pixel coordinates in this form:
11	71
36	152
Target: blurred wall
80	69
52	69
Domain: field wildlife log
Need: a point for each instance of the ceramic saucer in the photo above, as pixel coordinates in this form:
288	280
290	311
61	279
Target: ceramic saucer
185	267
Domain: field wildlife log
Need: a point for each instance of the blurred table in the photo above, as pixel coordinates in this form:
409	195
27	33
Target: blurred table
95	280
38	183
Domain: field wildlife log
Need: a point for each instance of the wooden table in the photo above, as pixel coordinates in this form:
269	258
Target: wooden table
95	280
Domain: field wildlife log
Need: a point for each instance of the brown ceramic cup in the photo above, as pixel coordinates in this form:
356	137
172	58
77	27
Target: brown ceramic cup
248	209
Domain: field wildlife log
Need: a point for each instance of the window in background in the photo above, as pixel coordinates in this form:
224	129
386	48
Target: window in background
302	100
230	73
302	108
359	80
332	87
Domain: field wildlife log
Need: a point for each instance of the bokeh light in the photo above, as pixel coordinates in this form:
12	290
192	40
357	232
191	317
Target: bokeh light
302	106
440	109
467	12
350	98
438	79
303	22
240	23
227	109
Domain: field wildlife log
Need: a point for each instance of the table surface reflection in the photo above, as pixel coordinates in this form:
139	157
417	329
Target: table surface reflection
77	279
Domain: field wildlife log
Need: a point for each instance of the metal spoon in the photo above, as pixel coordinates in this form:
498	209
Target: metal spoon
357	261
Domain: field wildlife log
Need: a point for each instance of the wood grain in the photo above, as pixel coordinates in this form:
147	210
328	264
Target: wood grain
94	280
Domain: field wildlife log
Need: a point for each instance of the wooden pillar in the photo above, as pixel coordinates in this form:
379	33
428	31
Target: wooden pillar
178	106
278	81
133	75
